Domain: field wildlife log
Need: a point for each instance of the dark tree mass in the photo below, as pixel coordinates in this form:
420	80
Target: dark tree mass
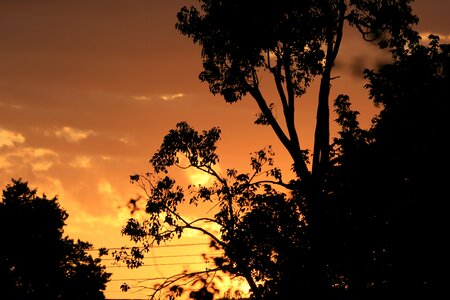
394	178
367	219
36	260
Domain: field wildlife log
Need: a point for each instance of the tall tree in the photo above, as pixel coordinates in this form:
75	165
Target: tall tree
36	260
294	42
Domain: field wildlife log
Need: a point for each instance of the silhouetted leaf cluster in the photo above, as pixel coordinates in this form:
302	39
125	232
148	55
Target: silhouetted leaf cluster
36	260
387	223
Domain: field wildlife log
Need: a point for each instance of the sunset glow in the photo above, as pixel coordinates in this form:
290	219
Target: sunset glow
88	90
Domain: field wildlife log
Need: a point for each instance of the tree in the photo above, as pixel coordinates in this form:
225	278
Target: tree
36	260
241	200
294	42
391	238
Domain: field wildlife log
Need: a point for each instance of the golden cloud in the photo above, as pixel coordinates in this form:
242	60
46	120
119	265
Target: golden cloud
38	159
165	97
141	98
73	135
10	138
172	97
81	162
106	190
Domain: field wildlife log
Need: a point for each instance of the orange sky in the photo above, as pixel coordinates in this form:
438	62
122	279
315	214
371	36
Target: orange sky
88	89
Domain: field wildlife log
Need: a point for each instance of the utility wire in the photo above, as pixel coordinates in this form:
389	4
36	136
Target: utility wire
164	264
156	246
140	279
168	256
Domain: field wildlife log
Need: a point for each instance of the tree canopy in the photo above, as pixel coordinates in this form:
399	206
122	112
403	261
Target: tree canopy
294	42
243	202
36	260
392	177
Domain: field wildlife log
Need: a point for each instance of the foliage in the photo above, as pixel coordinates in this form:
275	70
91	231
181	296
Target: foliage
240	198
348	229
293	42
387	233
248	208
36	260
410	135
240	37
381	217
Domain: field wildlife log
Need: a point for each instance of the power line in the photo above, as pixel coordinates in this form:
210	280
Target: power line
144	278
140	279
164	264
168	256
155	246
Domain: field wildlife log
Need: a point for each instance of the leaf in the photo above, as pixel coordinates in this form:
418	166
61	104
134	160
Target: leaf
124	287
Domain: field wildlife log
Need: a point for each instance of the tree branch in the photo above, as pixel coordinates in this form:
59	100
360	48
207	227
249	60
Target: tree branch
280	183
205	219
322	132
256	94
188	225
279	85
290	112
294	150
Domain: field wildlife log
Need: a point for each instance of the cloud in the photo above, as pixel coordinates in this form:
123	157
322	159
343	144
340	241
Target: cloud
37	159
10	138
40	159
141	98
8	105
81	162
165	97
107	190
4	163
172	97
83	222
125	140
73	135
41	165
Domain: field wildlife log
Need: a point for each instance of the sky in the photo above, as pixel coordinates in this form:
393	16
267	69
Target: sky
89	88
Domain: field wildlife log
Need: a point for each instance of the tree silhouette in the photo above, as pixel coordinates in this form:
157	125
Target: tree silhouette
349	228
36	260
293	42
240	200
388	234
